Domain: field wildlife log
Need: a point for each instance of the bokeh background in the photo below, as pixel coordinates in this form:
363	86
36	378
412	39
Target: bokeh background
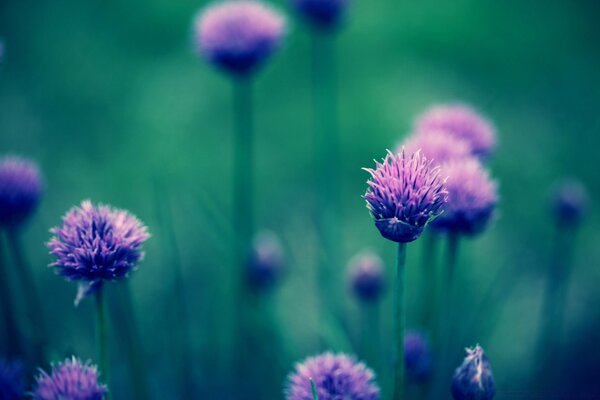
112	101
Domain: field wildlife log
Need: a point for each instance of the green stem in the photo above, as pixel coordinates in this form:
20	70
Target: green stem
314	389
34	307
13	337
429	280
102	337
399	323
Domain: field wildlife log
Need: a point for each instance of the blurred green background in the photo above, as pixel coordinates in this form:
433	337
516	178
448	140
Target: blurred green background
111	100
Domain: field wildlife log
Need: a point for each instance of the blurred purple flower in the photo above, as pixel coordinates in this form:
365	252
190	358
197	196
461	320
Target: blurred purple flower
438	146
472	198
20	190
405	193
335	376
417	356
238	35
323	14
267	261
461	121
96	244
473	380
72	380
569	200
12	384
365	272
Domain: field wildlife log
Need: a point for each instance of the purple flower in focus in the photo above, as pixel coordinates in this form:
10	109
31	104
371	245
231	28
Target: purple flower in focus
405	193
461	121
12	384
96	244
336	376
473	380
69	380
438	146
569	200
472	198
322	14
20	190
238	35
365	272
267	261
418	358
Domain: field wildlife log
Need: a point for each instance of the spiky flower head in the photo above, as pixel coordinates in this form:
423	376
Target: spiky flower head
12	384
473	380
418	358
405	193
70	379
322	14
569	200
461	121
438	146
20	190
238	35
365	273
96	243
336	376
472	198
266	263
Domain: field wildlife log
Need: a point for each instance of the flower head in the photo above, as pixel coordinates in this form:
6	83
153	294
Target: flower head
461	121
438	146
417	356
473	380
336	376
96	243
322	14
238	35
266	263
72	380
20	190
569	200
405	193
12	384
472	198
365	272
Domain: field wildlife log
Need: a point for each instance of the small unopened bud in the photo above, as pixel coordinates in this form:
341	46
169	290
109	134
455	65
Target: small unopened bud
473	380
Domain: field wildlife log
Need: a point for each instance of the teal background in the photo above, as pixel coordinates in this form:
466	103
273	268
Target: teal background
112	101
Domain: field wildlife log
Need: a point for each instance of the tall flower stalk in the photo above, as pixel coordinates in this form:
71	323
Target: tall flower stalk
102	336
399	322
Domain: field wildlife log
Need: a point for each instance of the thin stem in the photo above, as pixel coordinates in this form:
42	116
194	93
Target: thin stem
314	389
102	337
34	307
12	338
399	323
429	279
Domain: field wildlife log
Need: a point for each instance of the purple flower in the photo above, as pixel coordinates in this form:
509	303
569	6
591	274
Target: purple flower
96	244
20	190
405	193
472	198
238	35
569	200
365	272
335	376
12	384
267	261
438	146
473	380
322	14
461	121
417	356
72	380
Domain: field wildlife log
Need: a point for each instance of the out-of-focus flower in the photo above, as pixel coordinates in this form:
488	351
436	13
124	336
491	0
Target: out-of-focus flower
472	198
96	244
70	380
322	14
438	146
473	380
463	122
365	274
12	385
405	193
20	190
417	356
569	201
336	376
267	262
238	35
